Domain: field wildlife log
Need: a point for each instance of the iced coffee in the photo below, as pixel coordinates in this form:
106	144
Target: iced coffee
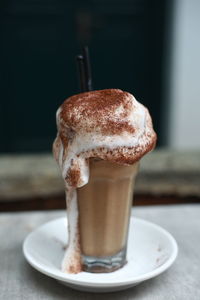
102	135
104	212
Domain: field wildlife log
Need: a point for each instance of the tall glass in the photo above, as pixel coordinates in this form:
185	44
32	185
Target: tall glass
104	214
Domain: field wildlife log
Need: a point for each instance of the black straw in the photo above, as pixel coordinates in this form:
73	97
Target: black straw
84	70
88	73
81	72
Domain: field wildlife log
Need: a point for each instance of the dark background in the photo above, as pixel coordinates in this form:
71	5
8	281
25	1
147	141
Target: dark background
39	41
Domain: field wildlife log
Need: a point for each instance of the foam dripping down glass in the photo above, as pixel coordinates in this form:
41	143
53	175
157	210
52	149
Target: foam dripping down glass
102	135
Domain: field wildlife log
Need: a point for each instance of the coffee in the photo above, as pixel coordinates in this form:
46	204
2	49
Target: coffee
104	206
101	137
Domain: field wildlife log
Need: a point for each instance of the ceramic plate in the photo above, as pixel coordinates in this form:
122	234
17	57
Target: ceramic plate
151	250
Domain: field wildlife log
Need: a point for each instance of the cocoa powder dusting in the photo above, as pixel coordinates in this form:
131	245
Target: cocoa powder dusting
109	113
73	176
99	108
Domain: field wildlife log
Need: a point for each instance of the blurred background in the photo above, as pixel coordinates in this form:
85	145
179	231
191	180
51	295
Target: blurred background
149	48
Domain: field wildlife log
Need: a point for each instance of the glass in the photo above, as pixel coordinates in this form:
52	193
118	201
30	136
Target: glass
104	214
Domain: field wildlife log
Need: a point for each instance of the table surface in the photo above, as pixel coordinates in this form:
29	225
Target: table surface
18	280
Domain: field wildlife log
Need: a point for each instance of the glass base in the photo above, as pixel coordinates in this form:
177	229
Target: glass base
104	264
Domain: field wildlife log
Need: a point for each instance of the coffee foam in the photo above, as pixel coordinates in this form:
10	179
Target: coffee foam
108	124
72	259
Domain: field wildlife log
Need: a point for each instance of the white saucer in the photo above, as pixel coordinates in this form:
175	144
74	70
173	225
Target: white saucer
151	250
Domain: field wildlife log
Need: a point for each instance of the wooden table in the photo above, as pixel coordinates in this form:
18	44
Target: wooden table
182	281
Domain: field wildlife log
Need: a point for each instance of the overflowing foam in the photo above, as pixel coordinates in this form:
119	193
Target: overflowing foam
106	124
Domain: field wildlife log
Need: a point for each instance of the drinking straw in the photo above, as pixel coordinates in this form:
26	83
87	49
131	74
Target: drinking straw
88	74
84	70
81	73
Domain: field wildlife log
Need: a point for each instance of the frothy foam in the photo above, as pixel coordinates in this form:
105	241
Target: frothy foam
108	124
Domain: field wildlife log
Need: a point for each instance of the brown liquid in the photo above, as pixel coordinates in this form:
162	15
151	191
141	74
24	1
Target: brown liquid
104	208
